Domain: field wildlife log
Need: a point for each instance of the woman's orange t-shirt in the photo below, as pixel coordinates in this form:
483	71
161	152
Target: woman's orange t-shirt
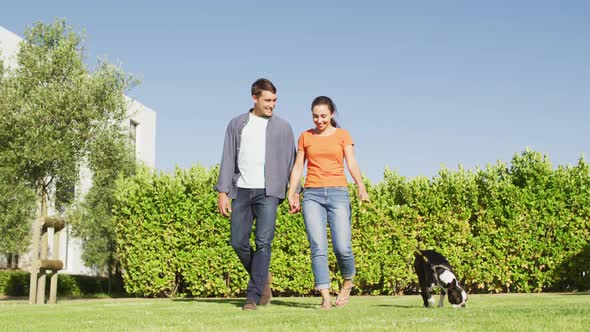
325	158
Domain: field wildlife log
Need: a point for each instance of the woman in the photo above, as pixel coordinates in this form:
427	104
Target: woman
326	196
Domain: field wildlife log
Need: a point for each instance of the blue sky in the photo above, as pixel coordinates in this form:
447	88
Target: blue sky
417	85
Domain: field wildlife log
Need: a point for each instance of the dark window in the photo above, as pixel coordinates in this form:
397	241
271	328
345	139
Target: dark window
133	136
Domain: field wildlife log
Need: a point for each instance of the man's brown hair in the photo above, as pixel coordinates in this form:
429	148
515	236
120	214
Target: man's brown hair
262	84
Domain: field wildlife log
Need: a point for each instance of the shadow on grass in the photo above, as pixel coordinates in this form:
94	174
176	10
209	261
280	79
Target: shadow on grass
240	302
398	306
7	298
84	297
234	302
294	304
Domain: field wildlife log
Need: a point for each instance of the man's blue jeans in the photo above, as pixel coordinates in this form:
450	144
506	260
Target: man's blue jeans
253	204
331	204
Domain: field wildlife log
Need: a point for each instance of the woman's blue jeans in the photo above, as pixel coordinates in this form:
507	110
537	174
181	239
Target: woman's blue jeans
331	204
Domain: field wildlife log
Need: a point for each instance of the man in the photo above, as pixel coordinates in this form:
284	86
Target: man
258	155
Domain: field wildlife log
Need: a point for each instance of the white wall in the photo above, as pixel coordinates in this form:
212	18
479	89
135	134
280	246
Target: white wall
8	47
145	141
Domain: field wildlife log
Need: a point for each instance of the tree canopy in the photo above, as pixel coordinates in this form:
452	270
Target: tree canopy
53	110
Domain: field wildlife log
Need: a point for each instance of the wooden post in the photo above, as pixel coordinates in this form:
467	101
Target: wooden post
44	249
53	289
35	254
40	262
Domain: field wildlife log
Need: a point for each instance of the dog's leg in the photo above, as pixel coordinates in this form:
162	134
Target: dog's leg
421	271
430	301
441	300
426	296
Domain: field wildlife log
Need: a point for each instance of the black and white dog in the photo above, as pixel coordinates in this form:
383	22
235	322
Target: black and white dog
434	270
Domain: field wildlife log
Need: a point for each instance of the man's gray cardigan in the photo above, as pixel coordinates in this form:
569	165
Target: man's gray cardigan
279	156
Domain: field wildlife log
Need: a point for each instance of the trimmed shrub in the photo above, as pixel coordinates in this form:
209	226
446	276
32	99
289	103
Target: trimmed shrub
521	227
16	283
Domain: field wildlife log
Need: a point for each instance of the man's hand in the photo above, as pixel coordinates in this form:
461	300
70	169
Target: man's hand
223	204
294	205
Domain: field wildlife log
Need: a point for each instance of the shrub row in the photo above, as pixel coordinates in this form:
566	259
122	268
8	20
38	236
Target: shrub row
16	283
518	227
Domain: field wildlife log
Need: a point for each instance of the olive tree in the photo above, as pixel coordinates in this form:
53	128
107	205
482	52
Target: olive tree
55	109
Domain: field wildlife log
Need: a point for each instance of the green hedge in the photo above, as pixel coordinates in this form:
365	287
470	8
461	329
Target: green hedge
16	283
518	227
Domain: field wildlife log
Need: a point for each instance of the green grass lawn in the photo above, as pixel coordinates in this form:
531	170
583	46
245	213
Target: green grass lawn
506	312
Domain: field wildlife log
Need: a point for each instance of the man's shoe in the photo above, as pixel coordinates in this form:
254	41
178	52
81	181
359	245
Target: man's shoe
249	306
266	293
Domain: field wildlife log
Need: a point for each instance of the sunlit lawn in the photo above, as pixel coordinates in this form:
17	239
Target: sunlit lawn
510	312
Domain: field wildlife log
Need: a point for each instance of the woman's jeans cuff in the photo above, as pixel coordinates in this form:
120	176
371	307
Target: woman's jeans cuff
322	286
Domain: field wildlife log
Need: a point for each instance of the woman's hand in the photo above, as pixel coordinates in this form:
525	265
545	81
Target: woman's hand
294	204
363	195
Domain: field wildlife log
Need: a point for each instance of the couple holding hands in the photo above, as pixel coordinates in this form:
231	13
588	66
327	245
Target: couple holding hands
260	161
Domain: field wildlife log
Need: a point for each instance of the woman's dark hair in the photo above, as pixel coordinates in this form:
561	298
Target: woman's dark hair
262	84
323	100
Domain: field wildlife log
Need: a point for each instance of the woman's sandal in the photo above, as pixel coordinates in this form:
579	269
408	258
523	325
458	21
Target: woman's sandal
343	296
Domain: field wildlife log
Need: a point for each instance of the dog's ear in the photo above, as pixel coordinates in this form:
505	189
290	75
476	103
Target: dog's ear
453	283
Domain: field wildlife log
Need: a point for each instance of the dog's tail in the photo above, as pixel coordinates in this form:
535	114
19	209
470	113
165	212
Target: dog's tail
418	253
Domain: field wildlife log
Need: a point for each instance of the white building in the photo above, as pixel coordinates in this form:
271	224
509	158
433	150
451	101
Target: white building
142	127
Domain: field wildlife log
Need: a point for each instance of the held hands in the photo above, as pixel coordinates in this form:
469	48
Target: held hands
294	204
223	204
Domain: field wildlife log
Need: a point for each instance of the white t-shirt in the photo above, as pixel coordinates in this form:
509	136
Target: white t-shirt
251	155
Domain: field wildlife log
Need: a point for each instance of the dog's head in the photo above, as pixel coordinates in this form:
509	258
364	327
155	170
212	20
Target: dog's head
457	296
